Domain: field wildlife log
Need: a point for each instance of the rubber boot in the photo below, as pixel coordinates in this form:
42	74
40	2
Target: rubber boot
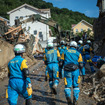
69	100
75	95
28	101
54	89
75	102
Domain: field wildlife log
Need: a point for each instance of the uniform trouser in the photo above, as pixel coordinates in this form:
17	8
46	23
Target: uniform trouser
16	87
53	71
72	79
83	69
61	72
88	59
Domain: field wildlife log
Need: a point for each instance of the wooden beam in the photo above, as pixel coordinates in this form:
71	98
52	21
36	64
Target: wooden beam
19	27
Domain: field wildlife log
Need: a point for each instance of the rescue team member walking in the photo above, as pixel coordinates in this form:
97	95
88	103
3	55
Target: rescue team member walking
81	50
19	82
87	50
72	61
51	59
45	51
62	49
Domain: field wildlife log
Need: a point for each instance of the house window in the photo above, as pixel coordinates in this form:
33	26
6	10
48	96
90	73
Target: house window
88	29
76	30
35	32
16	17
81	30
40	34
21	17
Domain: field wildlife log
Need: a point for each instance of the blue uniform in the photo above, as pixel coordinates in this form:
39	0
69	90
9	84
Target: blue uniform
18	84
72	56
62	49
51	57
87	57
81	50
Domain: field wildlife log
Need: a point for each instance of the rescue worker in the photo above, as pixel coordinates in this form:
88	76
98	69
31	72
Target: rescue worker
72	61
52	58
81	49
19	81
87	50
62	49
45	51
80	42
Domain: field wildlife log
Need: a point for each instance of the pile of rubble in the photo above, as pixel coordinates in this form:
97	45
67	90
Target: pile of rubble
95	86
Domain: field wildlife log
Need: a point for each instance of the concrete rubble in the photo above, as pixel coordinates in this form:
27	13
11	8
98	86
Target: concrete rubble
95	86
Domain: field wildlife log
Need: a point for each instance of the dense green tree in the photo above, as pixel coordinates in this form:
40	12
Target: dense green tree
64	16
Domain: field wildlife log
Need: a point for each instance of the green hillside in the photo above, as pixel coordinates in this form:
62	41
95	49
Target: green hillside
63	16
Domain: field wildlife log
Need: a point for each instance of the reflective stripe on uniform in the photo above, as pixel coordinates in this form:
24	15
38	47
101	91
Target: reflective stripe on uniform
80	58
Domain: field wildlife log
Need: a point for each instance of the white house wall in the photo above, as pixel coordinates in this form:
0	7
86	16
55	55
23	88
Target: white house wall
40	27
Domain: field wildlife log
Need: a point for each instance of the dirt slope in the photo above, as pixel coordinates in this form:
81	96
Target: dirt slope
6	54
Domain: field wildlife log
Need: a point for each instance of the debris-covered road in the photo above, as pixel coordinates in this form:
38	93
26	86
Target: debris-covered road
41	90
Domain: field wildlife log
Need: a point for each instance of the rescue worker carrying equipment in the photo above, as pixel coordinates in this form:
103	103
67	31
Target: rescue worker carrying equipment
19	81
62	49
51	59
72	61
87	50
80	49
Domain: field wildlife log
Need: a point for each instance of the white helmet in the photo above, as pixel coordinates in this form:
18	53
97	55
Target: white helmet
50	45
73	44
80	42
49	41
19	48
62	42
88	41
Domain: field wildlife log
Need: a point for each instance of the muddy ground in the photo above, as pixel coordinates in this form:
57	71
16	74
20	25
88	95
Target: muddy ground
41	90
